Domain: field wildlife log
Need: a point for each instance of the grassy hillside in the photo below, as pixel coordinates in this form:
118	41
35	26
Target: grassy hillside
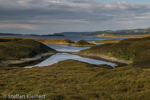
55	41
82	43
64	42
135	50
74	80
106	41
16	48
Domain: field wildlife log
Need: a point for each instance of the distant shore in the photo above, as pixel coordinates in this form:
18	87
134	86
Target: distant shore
67	42
31	34
107	35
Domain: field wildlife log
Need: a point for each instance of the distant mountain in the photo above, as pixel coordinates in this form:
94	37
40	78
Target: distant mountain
31	34
53	35
78	33
127	32
117	32
9	34
148	29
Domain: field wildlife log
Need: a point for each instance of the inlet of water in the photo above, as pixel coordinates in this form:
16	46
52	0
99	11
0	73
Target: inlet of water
65	56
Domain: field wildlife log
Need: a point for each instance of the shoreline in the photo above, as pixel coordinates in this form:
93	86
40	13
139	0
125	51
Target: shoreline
69	44
25	60
123	36
113	59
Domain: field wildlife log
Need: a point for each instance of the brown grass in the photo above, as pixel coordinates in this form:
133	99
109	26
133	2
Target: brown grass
74	80
55	41
107	41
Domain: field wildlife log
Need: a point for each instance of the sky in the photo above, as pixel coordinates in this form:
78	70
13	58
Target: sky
53	16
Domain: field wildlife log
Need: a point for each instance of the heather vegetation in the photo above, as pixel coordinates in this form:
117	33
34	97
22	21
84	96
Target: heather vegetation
17	48
135	50
74	80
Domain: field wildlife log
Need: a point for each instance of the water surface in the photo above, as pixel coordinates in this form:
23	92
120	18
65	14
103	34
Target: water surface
66	56
63	48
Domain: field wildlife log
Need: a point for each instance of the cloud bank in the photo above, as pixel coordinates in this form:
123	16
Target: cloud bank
72	15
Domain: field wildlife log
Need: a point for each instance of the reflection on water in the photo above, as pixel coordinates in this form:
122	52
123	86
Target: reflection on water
63	48
65	56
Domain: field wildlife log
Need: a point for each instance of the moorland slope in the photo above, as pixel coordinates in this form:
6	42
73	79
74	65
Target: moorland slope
17	48
136	51
74	80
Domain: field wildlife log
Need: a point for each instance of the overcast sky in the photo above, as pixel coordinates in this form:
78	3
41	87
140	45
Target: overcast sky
49	16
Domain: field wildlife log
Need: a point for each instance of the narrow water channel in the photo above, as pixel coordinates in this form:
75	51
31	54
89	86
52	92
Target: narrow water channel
65	56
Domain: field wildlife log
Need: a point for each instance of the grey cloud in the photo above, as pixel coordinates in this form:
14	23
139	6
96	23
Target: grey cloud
40	12
82	1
